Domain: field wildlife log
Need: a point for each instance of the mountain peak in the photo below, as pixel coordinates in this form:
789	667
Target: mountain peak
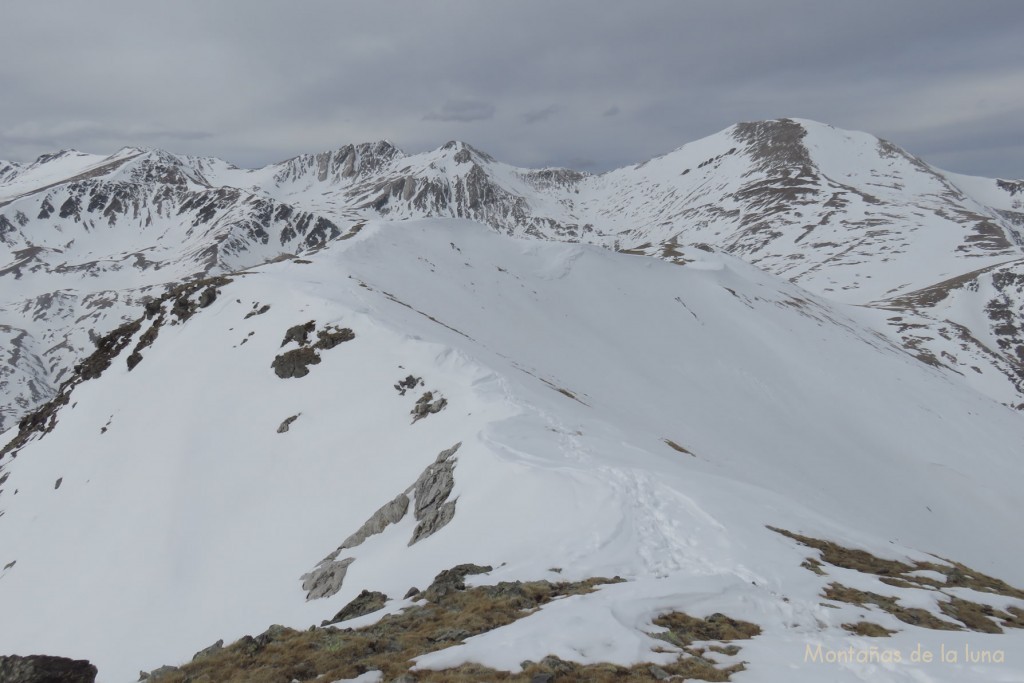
462	152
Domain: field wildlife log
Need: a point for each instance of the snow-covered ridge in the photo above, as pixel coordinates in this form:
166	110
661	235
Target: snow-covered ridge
843	214
617	416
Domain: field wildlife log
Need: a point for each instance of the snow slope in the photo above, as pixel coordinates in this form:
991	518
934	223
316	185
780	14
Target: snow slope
165	511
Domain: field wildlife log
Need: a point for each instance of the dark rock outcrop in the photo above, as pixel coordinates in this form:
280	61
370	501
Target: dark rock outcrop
46	669
452	580
427	405
286	424
299	333
366	602
328	339
295	363
410	382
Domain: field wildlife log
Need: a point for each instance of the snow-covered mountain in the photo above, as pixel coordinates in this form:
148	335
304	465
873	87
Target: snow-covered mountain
770	375
85	239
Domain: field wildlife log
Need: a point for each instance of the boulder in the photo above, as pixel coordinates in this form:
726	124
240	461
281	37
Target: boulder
46	669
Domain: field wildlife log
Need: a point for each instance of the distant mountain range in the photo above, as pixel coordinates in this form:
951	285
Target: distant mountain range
235	398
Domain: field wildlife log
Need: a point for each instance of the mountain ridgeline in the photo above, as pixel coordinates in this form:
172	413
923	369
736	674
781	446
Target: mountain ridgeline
765	388
84	240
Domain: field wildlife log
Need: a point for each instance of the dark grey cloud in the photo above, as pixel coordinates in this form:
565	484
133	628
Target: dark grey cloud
256	81
538	115
462	111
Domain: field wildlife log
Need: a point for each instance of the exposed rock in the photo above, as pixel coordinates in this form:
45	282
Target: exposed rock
391	512
207	297
108	347
57	483
299	333
366	602
410	382
270	635
327	578
411	593
46	669
260	311
328	339
157	675
145	340
212	650
286	424
427	405
659	673
433	509
452	580
295	363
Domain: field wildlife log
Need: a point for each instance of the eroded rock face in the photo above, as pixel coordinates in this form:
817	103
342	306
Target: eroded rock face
286	424
299	333
391	512
329	338
432	511
46	669
327	578
432	490
427	404
295	363
366	602
452	580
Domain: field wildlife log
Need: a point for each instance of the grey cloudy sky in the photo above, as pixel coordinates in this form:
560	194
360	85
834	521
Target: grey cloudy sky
589	84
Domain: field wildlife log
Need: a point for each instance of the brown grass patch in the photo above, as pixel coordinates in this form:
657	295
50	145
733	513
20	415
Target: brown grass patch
866	628
908	615
282	655
676	447
974	616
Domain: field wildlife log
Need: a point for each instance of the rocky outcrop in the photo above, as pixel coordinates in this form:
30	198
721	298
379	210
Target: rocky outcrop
427	405
46	669
286	424
432	490
108	347
452	580
432	510
331	337
410	382
295	363
299	333
367	602
391	512
327	578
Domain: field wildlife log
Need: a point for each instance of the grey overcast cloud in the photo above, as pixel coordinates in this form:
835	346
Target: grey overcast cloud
591	85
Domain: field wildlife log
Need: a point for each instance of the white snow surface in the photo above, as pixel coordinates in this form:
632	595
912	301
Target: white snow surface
182	516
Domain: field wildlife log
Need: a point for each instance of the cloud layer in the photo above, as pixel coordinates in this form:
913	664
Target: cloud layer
532	82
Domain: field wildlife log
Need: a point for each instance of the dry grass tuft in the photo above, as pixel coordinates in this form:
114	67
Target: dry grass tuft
974	616
908	615
866	628
283	655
